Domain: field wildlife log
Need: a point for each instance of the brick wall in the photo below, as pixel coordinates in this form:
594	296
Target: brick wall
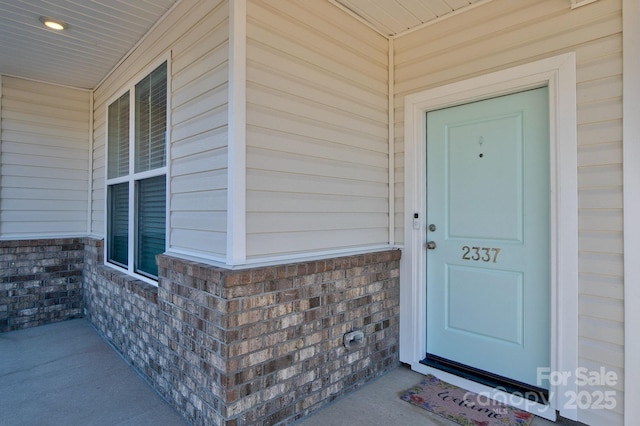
262	346
123	309
40	281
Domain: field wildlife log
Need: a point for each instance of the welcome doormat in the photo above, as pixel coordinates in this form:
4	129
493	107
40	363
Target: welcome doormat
464	407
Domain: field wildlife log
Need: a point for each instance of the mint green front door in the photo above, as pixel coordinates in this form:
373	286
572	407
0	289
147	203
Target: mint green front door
488	260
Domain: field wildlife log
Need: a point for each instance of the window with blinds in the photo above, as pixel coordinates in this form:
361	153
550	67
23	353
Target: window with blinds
136	190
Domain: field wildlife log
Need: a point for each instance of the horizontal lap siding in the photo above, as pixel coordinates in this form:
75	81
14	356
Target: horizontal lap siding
502	34
197	34
199	141
98	193
317	149
44	160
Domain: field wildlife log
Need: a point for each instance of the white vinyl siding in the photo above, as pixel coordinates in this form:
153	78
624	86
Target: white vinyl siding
197	36
98	192
199	140
502	34
317	130
44	160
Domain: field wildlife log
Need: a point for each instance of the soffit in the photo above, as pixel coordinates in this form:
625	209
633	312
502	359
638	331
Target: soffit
100	34
393	17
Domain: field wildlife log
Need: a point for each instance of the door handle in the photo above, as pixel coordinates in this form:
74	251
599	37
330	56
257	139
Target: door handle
430	245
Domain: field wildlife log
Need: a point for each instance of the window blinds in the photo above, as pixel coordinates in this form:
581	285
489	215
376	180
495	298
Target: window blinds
118	224
118	137
151	223
151	120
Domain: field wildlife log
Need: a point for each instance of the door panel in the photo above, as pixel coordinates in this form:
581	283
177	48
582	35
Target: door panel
488	197
465	286
485	185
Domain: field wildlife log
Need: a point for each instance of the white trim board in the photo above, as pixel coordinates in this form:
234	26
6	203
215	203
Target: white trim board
1	87
631	185
91	143
237	128
559	74
392	147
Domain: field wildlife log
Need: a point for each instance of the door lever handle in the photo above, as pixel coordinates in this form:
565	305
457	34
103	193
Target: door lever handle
430	245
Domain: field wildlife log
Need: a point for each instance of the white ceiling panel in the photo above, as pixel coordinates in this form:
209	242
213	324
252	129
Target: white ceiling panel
393	17
102	32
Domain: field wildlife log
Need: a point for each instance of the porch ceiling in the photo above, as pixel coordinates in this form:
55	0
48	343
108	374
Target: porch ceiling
101	32
393	17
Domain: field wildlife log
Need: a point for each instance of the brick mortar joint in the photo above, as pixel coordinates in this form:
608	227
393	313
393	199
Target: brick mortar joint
41	242
125	281
184	278
230	278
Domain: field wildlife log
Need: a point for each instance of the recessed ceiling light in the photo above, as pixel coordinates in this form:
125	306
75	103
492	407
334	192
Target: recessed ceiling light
54	24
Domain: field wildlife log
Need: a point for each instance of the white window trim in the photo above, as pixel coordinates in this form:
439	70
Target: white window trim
132	177
559	74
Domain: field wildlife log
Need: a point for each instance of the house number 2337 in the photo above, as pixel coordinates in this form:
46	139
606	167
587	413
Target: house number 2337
485	254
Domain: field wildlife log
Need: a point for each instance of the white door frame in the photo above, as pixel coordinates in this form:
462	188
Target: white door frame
559	74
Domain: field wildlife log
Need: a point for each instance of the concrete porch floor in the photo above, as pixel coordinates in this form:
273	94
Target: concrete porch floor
379	403
66	374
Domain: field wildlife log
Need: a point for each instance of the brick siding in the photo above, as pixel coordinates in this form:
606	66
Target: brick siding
40	281
260	346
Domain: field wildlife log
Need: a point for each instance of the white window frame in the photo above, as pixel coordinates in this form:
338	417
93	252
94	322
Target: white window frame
132	177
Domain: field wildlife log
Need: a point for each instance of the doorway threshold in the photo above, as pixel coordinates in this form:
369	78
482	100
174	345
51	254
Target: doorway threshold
524	390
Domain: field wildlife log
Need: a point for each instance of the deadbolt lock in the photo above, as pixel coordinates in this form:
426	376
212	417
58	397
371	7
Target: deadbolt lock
432	227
